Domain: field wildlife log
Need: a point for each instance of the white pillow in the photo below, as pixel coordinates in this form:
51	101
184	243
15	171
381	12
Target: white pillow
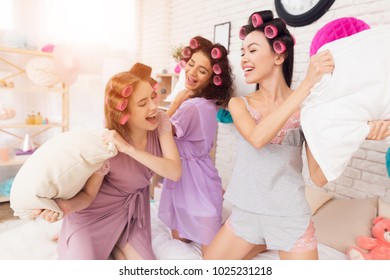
58	169
335	114
180	85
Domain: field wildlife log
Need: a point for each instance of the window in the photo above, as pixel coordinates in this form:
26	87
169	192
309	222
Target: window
6	15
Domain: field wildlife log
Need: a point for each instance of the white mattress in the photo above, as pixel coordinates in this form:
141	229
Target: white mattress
32	240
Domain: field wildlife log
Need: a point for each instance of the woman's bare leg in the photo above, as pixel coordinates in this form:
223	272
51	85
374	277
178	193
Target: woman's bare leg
175	235
255	251
227	246
309	255
126	253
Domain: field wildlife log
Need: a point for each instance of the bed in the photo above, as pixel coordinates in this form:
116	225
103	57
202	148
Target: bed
33	240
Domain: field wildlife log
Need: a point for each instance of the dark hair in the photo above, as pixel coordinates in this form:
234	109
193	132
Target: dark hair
220	87
278	37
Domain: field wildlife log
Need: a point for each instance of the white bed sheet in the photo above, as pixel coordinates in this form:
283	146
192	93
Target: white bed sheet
32	240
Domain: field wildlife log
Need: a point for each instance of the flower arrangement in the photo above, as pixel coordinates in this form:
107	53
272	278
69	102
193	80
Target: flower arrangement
177	53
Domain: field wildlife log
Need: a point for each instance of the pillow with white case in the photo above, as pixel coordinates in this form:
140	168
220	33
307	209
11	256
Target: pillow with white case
58	169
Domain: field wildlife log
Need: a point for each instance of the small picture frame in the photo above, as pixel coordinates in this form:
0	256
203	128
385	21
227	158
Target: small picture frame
222	34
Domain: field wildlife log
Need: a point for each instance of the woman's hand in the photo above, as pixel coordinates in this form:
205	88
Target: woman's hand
183	95
50	215
112	136
320	64
379	130
179	99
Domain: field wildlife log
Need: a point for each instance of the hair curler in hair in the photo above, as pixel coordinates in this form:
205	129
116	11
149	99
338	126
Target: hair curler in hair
216	53
217	80
256	20
270	31
127	91
194	44
216	69
279	46
186	52
124	119
242	33
182	63
122	105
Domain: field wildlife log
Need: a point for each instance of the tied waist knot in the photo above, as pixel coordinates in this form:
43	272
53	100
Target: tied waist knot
136	205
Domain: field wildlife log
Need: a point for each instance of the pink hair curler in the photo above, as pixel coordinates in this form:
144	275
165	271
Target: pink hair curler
107	100
182	63
242	34
217	80
155	86
279	47
216	69
216	53
194	44
186	52
110	86
270	31
256	20
124	119
122	105
127	91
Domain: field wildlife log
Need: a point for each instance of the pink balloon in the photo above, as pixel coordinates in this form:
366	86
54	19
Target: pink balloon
67	66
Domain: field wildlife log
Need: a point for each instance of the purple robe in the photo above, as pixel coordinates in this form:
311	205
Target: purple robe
193	205
119	214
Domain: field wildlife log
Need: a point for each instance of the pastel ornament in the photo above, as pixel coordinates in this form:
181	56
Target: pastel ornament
42	71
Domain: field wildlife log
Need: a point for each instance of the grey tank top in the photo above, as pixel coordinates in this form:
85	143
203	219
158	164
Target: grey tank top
269	180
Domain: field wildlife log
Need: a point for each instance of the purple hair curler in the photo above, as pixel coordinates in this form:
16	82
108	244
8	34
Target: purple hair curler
270	31
122	105
124	119
216	53
182	63
217	80
127	91
186	52
256	20
216	69
279	47
194	44
242	33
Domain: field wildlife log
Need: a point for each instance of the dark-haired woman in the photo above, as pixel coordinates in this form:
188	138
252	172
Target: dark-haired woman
267	187
192	207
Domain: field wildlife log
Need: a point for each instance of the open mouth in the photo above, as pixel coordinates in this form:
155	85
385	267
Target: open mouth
248	69
191	82
152	119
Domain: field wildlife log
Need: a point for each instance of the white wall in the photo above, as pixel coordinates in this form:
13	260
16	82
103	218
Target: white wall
168	23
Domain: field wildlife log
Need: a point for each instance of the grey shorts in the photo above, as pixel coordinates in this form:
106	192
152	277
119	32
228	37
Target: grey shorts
278	233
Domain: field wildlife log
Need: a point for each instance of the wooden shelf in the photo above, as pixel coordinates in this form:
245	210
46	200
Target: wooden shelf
4	198
38	126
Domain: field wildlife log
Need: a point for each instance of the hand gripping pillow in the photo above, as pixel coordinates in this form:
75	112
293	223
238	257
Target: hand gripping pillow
58	169
335	114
